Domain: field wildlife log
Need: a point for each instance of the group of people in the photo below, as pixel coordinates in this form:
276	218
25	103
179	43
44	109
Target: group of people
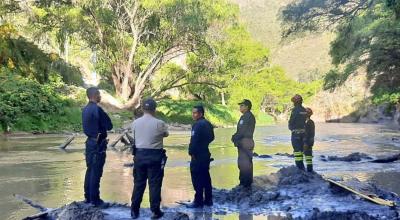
150	157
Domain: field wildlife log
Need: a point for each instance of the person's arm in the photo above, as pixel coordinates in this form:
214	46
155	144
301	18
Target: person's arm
291	120
212	136
163	128
195	140
105	120
312	133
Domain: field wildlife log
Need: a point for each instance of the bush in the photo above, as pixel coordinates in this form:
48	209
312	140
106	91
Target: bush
27	105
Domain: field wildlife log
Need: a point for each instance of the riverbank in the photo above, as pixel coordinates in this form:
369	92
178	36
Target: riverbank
286	194
177	114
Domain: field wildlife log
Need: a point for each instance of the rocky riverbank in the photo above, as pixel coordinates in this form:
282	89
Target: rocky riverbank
287	194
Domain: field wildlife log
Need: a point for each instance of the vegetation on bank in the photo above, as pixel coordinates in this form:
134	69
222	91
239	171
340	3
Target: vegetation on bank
367	39
175	50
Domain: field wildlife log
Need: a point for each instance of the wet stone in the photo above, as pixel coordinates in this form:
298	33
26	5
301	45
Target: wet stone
357	156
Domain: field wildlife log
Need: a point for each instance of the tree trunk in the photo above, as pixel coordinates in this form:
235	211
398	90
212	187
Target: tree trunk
121	78
223	98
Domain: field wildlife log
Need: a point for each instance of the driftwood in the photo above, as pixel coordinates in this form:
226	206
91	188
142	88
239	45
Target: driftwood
387	159
67	142
370	197
39	215
43	210
125	140
119	137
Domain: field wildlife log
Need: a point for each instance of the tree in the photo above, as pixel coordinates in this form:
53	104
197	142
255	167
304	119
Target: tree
367	36
133	38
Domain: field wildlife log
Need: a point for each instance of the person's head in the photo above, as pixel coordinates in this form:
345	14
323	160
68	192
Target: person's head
197	112
309	112
93	94
297	99
149	106
245	105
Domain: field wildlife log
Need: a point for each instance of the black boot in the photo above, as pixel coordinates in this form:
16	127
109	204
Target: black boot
157	215
310	168
300	165
134	214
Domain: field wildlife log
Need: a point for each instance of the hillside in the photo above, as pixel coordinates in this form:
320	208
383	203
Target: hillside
302	58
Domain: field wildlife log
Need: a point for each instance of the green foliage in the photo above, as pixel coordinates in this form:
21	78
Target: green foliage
27	105
180	111
28	60
270	90
367	35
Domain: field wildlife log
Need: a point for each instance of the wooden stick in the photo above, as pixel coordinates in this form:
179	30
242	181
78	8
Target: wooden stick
39	215
125	140
112	145
31	203
371	198
67	142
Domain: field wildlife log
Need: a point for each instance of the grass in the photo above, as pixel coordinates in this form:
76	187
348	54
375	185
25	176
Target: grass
171	111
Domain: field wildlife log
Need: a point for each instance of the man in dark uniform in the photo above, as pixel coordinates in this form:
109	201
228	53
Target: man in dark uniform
243	140
309	140
149	158
95	124
202	136
297	124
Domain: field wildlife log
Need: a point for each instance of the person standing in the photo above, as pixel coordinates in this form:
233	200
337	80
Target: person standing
297	124
202	135
309	140
243	140
149	159
95	123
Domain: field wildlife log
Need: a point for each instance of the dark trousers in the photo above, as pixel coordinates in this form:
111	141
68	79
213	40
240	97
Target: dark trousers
148	166
201	180
245	161
94	170
308	153
298	143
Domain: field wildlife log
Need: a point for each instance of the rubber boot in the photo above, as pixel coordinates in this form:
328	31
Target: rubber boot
300	165
310	168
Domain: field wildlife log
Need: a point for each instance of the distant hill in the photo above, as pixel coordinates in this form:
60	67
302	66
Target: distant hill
304	58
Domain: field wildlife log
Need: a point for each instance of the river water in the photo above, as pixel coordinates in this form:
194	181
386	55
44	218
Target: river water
34	167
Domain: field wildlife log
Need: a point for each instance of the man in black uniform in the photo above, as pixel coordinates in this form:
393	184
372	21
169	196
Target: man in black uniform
202	136
243	140
95	123
297	124
309	140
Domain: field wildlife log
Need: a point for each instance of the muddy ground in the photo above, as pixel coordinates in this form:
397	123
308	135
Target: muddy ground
287	194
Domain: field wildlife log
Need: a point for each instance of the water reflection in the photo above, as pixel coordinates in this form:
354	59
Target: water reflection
36	168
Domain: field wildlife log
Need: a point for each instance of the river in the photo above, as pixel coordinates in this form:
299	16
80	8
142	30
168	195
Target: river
34	167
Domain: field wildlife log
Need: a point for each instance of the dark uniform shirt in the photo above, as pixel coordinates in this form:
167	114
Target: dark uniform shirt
310	133
202	136
95	121
245	127
297	119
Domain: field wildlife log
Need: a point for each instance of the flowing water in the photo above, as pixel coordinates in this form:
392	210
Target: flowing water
34	167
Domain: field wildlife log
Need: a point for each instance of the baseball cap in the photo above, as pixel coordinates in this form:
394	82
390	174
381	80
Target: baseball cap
149	104
245	102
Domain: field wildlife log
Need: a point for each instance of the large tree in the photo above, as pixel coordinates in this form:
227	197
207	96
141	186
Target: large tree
367	36
133	39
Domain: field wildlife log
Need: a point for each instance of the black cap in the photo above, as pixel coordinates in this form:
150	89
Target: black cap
245	102
149	104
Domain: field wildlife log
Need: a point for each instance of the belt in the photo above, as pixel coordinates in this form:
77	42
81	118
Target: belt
299	131
148	150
